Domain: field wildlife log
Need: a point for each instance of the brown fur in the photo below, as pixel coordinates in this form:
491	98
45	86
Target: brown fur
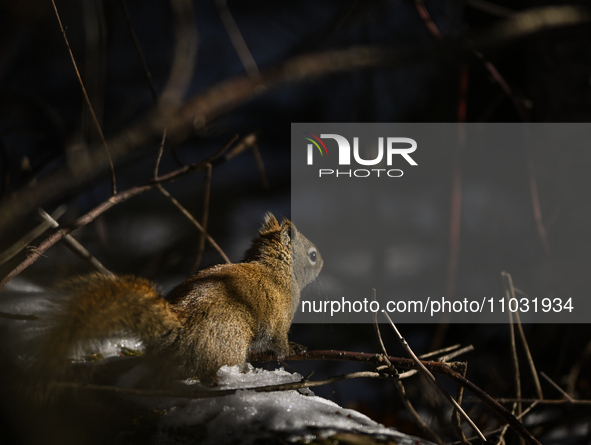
209	320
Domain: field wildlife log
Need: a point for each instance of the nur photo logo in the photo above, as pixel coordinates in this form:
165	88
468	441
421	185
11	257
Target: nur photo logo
400	146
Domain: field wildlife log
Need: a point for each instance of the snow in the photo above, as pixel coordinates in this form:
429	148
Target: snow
248	416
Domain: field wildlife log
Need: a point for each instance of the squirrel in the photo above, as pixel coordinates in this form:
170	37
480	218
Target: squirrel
212	319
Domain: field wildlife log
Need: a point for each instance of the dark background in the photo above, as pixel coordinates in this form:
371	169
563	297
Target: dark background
44	125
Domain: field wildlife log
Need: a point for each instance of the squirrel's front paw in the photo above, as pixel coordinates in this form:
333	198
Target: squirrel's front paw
295	348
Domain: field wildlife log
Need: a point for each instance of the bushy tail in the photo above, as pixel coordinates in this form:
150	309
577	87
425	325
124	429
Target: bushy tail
98	306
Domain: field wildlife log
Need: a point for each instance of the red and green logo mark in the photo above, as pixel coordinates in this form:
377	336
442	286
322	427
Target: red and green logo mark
316	143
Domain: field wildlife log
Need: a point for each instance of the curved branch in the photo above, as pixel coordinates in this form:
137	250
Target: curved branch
181	121
440	368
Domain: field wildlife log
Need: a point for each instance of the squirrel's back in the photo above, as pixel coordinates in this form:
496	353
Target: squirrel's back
210	320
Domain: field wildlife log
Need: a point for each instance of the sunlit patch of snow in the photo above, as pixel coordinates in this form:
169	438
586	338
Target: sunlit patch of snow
248	415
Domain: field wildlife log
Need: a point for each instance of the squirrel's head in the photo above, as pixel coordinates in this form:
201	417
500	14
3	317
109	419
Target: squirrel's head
282	241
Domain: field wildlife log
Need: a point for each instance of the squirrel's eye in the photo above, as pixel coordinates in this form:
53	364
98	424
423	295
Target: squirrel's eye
312	255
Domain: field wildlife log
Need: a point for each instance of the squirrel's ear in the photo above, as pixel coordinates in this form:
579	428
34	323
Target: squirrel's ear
269	223
286	232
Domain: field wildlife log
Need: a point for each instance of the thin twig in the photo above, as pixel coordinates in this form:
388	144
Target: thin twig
29	237
439	351
204	220
535	201
230	93
433	380
530	360
72	244
185	53
448	370
399	386
139	52
490	8
103	207
546	401
246	142
558	388
452	355
205	394
261	166
573	375
88	103
237	39
456	418
19	316
504	428
191	218
515	360
159	155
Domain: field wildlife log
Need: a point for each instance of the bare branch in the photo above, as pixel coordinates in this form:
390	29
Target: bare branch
29	237
205	394
226	95
87	99
101	208
19	316
558	388
448	370
433	380
399	386
185	53
204	220
510	293
191	218
237	40
75	246
138	50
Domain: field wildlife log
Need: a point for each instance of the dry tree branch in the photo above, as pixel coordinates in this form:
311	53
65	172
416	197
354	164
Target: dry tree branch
103	207
573	375
179	206
504	428
30	236
201	227
399	385
204	219
530	360
445	358
87	100
138	50
19	316
448	370
181	121
445	369
185	53
456	418
558	388
519	106
511	289
191	218
514	357
439	351
490	8
75	246
205	394
433	380
535	201
547	401
159	155
121	197
237	39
